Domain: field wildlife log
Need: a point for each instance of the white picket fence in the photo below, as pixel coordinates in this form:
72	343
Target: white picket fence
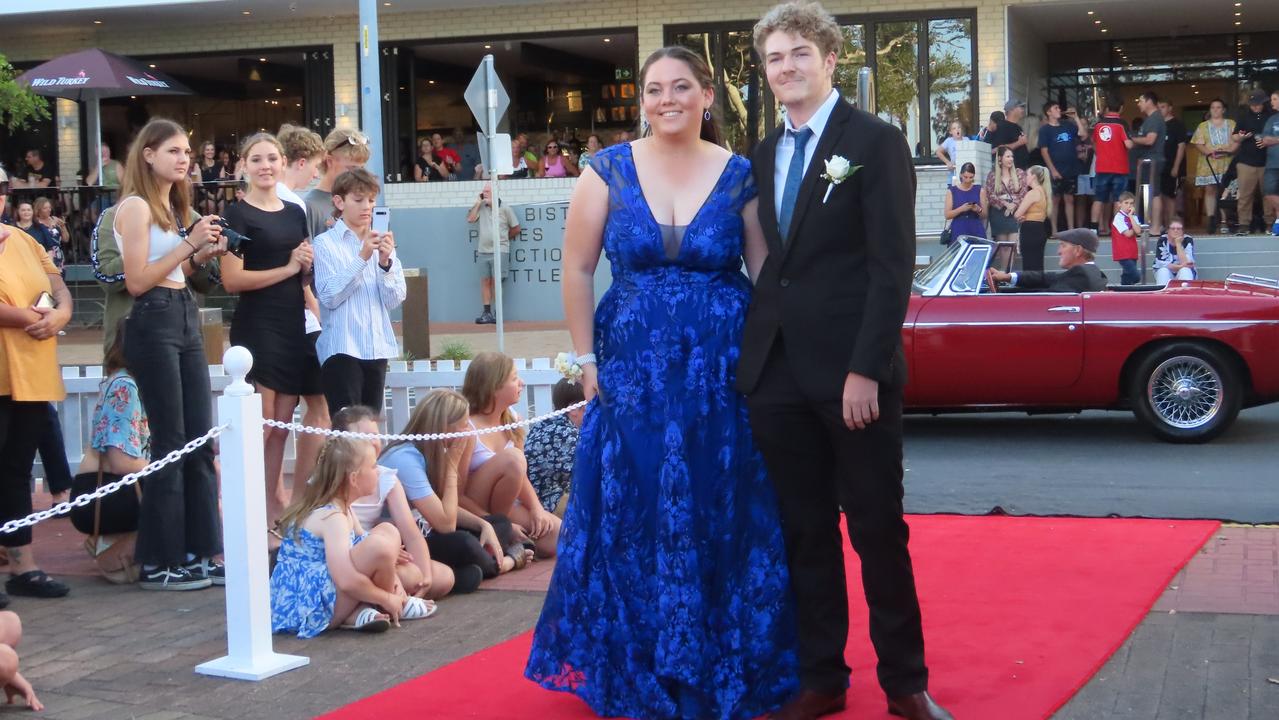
405	382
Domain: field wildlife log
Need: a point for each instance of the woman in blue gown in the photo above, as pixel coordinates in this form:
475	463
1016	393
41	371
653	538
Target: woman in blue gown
670	598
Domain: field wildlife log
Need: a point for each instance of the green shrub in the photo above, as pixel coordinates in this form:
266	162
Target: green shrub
456	351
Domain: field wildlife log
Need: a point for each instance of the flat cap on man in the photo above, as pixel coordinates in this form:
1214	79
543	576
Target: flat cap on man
1083	237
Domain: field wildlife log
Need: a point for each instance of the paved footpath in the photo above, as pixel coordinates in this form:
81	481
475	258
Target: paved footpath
1208	649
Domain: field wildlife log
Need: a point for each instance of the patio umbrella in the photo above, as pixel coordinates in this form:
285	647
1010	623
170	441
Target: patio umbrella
90	75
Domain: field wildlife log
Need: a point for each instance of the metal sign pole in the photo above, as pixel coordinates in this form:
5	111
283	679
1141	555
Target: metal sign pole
495	210
488	102
371	88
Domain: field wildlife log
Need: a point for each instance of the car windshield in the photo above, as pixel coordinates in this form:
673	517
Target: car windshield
928	278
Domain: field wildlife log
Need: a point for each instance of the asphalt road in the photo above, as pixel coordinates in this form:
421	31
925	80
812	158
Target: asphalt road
1094	464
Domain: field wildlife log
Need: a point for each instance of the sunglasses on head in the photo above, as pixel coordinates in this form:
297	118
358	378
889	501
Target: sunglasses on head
357	139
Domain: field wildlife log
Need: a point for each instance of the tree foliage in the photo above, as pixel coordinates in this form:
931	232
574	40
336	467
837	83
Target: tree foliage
19	107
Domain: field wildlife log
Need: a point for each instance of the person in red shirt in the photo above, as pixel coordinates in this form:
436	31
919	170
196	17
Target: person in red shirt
445	156
1111	144
1123	239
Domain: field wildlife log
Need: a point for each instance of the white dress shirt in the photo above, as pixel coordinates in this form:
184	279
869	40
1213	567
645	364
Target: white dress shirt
786	146
355	295
286	194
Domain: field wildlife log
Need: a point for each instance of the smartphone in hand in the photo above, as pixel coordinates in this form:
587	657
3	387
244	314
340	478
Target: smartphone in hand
381	219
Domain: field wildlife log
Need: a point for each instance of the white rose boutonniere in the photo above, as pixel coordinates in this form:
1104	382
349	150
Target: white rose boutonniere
838	169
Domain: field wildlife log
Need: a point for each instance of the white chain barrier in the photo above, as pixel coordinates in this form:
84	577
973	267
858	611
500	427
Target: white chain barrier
131	478
297	427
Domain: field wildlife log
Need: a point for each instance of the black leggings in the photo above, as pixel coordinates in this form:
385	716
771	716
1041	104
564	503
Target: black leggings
1033	238
462	547
53	455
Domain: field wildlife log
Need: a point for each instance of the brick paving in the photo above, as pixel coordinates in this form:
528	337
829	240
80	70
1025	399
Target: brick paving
1207	651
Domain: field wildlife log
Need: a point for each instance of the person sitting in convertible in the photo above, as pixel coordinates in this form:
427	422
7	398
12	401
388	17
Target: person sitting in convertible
1075	252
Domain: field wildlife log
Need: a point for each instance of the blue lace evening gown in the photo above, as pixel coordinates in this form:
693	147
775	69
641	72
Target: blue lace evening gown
670	598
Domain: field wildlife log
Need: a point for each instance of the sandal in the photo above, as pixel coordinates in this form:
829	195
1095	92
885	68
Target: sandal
519	554
415	608
36	584
369	620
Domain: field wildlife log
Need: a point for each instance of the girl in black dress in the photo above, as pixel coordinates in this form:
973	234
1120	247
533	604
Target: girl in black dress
269	278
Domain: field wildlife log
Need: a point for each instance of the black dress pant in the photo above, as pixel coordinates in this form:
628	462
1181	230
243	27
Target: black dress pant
21	426
350	381
817	466
165	355
53	455
462	547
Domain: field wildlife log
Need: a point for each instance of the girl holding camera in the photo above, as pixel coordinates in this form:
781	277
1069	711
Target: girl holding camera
178	531
270	275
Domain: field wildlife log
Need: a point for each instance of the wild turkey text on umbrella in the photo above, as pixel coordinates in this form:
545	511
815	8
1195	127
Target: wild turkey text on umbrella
90	75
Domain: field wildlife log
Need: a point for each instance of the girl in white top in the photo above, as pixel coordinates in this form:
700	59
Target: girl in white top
420	575
179	532
498	483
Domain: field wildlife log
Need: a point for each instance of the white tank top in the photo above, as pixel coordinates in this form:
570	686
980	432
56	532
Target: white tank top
161	244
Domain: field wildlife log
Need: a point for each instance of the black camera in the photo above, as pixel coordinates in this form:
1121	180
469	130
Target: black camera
235	241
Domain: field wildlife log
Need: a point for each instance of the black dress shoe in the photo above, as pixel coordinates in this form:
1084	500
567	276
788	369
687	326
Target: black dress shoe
919	706
810	705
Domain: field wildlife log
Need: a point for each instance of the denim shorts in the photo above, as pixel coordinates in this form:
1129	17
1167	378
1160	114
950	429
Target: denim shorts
1107	187
1270	183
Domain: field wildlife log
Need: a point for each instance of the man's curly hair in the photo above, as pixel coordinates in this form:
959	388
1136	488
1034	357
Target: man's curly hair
808	20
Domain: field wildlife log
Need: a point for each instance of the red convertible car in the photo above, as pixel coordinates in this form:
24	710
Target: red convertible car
1184	359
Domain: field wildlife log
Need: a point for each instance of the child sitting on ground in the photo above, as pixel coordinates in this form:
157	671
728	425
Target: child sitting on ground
552	446
419	574
15	686
330	572
496	478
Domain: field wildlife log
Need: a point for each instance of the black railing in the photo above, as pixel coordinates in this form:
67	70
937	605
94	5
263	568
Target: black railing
79	207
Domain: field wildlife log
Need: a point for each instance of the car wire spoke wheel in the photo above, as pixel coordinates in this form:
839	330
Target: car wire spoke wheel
1185	392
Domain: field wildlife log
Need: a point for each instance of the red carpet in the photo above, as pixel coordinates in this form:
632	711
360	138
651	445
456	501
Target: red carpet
1018	614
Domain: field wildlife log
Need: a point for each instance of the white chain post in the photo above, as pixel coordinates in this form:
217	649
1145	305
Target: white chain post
248	586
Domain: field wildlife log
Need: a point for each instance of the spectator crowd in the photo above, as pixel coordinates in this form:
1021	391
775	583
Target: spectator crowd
367	534
1079	174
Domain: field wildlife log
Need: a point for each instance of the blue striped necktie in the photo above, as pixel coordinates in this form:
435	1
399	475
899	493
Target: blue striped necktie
794	177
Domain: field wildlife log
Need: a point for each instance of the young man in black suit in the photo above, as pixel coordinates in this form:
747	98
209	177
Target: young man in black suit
822	361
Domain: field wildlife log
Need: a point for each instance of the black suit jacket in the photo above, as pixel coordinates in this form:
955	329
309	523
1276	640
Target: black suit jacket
1080	278
837	289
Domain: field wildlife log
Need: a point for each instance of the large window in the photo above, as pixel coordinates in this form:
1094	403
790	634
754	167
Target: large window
923	64
565	86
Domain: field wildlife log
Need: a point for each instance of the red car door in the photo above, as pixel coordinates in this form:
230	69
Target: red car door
996	349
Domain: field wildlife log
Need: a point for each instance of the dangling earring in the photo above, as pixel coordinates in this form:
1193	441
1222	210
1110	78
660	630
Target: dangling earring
707	115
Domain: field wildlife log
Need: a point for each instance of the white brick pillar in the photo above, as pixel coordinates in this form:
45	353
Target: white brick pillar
977	153
66	116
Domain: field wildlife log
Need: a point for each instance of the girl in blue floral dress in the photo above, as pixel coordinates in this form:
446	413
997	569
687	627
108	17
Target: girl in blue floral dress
671	597
329	572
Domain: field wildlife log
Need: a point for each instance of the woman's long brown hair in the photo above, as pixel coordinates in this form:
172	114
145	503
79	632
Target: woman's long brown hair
484	376
139	180
438	412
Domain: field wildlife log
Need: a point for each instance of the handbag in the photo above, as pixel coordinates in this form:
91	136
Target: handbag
946	236
116	513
